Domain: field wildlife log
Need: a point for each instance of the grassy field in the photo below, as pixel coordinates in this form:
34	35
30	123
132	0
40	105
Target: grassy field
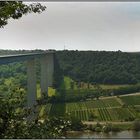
66	84
45	110
112	86
51	91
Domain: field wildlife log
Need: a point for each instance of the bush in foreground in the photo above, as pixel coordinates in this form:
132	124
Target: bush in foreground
136	125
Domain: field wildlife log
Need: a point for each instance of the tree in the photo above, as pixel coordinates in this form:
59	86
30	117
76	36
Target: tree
88	85
16	9
101	67
76	123
14	123
98	88
107	128
72	85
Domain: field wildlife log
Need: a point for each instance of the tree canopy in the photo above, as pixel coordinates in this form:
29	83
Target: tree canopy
101	67
16	9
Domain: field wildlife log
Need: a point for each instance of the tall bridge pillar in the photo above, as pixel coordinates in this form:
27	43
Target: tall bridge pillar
31	83
47	69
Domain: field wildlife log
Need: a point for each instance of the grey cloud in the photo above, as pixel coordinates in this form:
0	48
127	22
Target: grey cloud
83	26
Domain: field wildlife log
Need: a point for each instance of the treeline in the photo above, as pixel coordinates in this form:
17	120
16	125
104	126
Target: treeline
100	67
9	52
72	95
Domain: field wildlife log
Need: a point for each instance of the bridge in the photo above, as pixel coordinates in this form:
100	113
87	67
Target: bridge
47	69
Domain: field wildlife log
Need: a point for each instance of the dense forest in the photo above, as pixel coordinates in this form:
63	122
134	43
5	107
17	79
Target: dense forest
102	67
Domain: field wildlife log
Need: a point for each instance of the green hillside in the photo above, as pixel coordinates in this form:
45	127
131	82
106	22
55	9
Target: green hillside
101	67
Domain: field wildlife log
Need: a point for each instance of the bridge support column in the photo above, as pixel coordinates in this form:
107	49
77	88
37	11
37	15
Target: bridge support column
47	69
31	83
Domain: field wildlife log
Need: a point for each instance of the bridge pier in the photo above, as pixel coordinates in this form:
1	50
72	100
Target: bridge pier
31	83
47	69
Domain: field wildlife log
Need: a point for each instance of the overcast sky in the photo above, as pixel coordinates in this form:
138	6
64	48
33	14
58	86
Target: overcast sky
107	26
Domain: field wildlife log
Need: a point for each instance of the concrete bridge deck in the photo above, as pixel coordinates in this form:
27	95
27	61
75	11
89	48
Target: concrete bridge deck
5	59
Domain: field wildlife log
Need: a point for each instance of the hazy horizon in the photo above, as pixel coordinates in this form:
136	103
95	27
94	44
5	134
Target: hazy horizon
65	50
95	26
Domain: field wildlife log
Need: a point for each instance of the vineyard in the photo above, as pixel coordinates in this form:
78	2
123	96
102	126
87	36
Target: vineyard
106	109
131	100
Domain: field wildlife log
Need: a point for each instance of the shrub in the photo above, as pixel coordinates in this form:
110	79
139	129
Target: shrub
98	125
115	129
98	129
136	125
107	128
76	124
91	127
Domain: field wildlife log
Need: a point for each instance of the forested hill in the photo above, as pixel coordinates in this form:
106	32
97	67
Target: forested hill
88	66
100	66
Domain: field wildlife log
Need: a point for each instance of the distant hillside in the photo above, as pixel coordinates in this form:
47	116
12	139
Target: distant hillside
86	66
100	66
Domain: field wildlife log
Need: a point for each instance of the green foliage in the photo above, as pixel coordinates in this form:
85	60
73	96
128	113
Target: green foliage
100	66
12	70
71	92
107	109
92	117
76	124
67	83
11	116
17	121
127	89
107	128
98	129
131	100
136	125
57	109
16	9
